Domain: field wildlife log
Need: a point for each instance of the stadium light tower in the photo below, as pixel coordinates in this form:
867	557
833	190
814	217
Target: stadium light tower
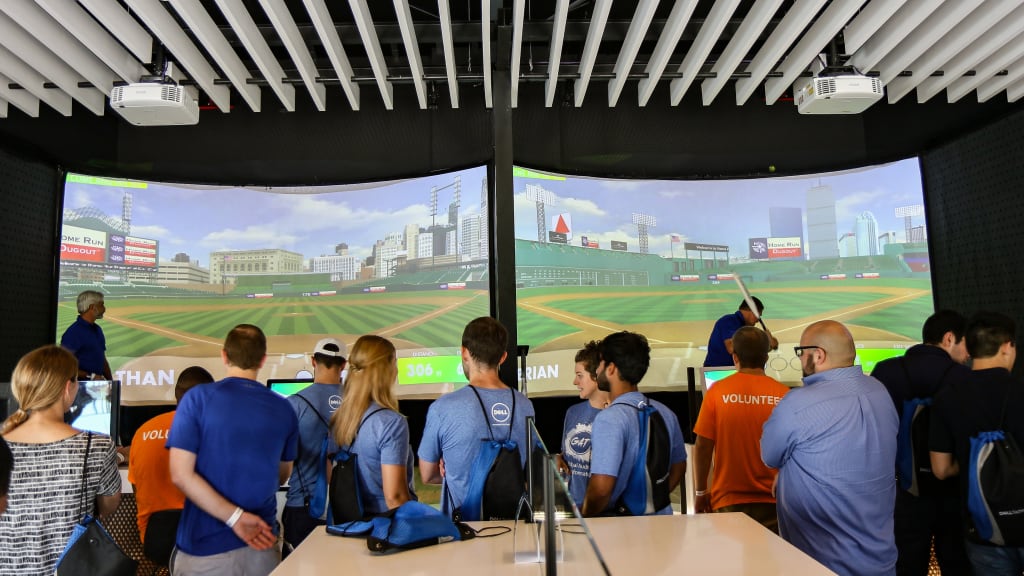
906	212
542	197
643	222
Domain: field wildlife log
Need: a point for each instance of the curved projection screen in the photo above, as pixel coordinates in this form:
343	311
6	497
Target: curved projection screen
180	265
595	256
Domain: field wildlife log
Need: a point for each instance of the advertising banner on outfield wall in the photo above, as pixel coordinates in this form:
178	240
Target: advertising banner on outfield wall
785	247
758	248
98	249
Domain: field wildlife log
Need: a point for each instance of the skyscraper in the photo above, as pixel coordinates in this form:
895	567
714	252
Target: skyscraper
821	223
866	229
787	222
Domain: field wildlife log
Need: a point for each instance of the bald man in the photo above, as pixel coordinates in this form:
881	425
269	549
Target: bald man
834	443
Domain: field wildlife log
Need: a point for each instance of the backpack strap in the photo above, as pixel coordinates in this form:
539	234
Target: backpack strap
360	427
298	472
487	419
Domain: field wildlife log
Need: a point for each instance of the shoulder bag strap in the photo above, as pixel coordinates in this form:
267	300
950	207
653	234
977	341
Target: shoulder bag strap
85	469
360	427
313	408
512	418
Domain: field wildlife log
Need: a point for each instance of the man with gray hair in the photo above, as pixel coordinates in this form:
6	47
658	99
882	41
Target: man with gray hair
84	338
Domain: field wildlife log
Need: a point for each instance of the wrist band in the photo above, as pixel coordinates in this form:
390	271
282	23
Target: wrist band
700	493
230	522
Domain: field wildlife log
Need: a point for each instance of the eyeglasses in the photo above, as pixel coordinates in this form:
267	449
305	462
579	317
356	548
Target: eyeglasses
799	350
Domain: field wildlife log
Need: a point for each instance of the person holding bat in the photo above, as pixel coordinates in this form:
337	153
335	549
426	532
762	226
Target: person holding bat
720	342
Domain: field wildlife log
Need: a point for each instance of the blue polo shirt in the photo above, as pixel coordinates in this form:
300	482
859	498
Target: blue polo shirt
85	340
726	326
240	432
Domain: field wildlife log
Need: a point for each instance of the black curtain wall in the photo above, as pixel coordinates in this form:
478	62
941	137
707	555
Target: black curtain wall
974	196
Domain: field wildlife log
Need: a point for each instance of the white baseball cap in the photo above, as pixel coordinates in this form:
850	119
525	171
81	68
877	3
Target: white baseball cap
331	347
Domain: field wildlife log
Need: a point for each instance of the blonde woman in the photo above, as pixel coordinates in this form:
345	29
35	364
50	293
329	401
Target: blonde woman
45	500
369	424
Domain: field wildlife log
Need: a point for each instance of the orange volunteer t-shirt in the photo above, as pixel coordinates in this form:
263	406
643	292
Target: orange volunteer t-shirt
733	414
149	471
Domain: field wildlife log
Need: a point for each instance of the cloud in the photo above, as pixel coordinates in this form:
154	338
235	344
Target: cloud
626	185
257	236
576	205
850	205
677	194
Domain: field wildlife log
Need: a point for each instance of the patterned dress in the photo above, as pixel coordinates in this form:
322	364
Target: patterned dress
45	499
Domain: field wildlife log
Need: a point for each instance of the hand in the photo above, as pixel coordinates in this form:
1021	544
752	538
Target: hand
702	504
563	468
774	341
440	466
775	485
252	530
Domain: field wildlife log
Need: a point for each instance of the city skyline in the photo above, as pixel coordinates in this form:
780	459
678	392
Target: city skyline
728	212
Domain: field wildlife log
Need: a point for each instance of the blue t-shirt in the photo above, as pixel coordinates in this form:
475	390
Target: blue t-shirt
313	428
616	441
240	432
724	328
383	439
86	341
579	419
455	427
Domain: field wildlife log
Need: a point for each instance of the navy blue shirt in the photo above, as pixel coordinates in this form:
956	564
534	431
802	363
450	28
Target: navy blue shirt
85	340
724	328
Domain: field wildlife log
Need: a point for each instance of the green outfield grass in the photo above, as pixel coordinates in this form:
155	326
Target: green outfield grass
123	342
289	319
672	308
446	329
536	329
905	318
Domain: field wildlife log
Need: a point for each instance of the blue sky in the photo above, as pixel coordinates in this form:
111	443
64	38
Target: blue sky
716	211
312	221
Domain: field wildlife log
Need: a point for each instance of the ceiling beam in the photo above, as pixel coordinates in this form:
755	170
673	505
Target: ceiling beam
164	27
120	24
977	24
205	30
444	11
1003	33
667	42
821	32
773	49
630	47
34	54
985	71
709	33
1014	93
22	99
368	33
328	33
555	51
748	33
22	74
58	40
412	50
867	22
283	22
518	10
255	44
485	38
924	37
903	22
996	85
97	39
598	19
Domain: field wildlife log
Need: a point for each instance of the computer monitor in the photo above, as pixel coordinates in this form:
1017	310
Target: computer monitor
96	407
712	374
288	386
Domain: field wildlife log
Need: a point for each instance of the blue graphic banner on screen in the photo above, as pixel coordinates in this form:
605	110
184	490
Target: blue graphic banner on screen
180	265
660	258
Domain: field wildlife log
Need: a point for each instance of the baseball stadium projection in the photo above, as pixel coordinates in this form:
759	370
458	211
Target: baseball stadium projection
594	256
180	265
